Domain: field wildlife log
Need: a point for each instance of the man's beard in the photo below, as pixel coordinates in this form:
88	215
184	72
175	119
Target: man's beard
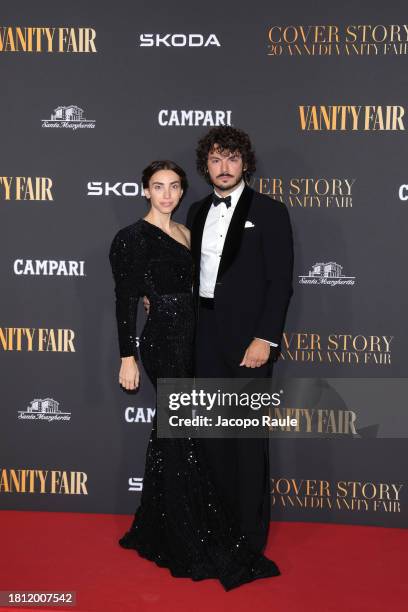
228	187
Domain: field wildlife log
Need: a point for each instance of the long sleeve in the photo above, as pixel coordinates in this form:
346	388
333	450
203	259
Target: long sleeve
128	274
277	245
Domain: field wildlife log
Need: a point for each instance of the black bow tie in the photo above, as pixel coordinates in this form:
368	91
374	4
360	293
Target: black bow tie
217	200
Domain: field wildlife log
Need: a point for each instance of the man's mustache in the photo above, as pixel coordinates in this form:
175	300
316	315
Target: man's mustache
221	175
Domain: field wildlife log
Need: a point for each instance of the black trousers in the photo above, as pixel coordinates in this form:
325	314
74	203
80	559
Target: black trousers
240	466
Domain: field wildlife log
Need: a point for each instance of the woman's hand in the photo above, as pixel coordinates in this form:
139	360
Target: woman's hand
129	373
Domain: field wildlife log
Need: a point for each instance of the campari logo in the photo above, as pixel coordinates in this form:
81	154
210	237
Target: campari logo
48	267
139	414
194	118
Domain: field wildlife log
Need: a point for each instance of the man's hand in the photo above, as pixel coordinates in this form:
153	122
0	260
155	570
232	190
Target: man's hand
257	354
146	304
129	373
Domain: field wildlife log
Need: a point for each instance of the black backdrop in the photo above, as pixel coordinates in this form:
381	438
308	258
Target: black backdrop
80	123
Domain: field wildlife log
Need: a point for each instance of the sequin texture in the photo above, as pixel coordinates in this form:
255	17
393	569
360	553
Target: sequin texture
181	523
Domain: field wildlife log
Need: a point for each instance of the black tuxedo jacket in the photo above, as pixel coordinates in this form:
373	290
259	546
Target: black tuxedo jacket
254	281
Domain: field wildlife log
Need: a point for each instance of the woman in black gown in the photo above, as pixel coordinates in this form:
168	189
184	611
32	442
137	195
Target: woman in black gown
180	523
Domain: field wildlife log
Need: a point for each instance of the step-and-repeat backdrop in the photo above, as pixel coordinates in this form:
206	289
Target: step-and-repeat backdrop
91	93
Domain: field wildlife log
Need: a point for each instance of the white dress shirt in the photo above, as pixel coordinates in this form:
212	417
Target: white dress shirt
215	230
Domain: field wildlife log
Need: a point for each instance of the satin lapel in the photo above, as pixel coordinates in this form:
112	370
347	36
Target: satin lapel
235	230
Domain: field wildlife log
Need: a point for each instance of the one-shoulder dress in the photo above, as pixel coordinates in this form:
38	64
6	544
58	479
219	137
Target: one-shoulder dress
180	523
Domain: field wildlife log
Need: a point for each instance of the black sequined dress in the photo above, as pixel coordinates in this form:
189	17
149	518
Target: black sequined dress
181	523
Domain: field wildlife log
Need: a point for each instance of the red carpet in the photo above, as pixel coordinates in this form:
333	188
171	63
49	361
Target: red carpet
325	568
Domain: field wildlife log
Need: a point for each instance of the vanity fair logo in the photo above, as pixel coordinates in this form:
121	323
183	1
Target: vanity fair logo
355	39
139	415
307	192
31	339
118	189
329	273
55	482
194	118
315	420
26	188
342	495
48	267
44	410
178	40
348	118
70	117
336	348
47	40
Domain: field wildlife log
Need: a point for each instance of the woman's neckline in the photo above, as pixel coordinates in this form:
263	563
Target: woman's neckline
165	233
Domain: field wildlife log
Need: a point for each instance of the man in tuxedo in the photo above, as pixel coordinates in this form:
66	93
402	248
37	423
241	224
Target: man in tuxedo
242	245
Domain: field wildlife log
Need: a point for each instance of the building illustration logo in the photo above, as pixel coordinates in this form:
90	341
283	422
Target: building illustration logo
44	410
71	117
330	273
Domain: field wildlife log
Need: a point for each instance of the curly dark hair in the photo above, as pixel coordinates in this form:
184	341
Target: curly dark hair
229	139
164	164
